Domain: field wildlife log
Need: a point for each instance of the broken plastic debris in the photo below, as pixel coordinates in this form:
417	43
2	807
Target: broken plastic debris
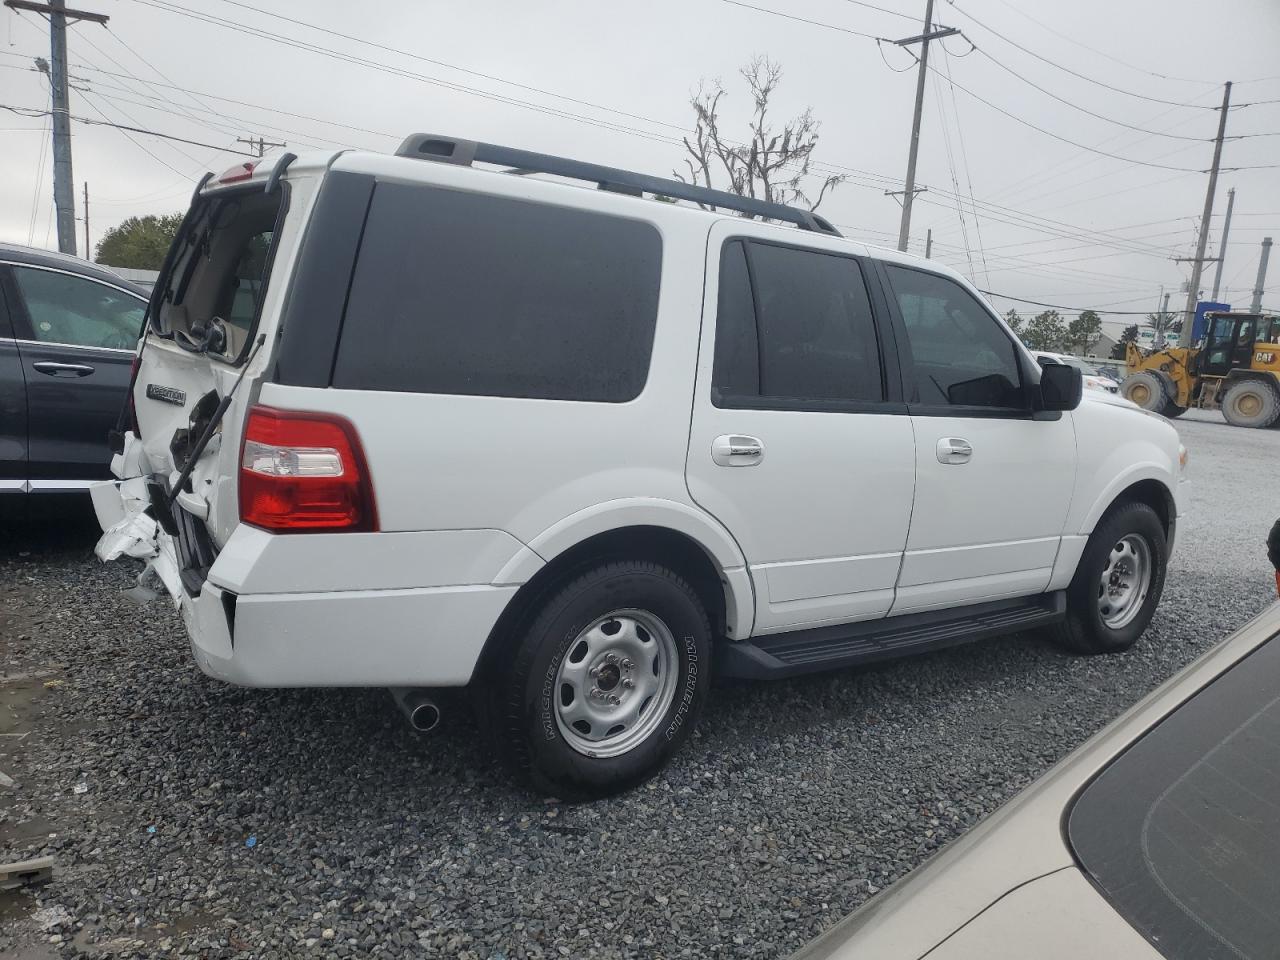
80	788
251	842
151	829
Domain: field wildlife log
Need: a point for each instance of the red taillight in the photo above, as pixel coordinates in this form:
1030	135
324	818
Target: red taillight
241	171
303	472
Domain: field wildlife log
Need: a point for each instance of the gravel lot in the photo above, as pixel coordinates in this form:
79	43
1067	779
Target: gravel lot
191	818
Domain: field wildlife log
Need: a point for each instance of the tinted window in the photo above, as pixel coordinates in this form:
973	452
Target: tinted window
808	331
468	294
67	309
1182	832
961	354
737	364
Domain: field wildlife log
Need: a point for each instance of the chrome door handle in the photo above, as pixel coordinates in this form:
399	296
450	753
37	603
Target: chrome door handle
954	450
735	450
63	369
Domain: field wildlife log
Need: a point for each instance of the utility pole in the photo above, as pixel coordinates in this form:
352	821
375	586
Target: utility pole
259	144
909	193
928	244
1258	287
1197	263
88	250
1222	247
64	198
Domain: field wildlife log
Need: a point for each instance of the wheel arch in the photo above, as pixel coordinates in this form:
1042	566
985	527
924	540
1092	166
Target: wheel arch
1152	490
1265	376
681	539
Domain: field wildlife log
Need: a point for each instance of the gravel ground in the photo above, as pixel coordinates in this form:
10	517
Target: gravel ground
190	818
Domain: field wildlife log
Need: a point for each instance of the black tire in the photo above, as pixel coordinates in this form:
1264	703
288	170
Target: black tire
1251	403
1146	389
523	699
1173	411
1085	630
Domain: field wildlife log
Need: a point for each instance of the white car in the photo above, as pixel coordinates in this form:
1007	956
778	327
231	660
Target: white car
580	450
1093	380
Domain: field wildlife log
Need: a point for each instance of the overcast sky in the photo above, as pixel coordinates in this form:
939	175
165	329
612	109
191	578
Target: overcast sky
610	82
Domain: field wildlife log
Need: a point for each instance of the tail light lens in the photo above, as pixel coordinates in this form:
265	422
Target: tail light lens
302	472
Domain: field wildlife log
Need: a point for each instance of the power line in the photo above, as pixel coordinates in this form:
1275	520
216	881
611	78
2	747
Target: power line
1059	306
409	74
1085	110
980	99
175	8
1124	63
964	157
815	23
1074	73
106	122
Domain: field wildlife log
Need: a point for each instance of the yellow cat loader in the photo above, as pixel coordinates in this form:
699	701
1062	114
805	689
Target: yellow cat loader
1236	369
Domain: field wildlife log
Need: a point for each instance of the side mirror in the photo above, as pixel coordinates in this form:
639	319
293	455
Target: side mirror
1061	387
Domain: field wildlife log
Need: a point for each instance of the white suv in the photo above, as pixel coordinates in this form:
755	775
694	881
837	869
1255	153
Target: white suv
583	451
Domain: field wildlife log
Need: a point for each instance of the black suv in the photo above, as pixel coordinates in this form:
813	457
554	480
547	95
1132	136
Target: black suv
68	330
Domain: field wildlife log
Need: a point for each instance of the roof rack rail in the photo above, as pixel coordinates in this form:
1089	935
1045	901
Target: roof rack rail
426	146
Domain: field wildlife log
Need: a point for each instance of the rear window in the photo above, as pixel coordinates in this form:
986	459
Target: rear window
1182	832
212	294
461	293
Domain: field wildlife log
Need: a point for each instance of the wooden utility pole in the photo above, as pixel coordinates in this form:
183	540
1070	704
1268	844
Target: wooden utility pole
1198	261
88	250
259	144
64	198
909	192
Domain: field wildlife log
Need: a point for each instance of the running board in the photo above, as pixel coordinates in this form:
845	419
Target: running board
830	648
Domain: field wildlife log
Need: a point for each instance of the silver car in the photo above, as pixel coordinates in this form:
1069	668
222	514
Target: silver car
1159	837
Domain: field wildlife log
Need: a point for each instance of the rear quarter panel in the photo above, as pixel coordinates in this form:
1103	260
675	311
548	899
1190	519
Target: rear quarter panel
449	462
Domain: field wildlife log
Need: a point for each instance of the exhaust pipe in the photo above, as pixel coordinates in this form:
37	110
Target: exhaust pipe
417	706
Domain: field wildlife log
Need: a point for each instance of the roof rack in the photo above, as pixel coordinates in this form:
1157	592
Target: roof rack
426	146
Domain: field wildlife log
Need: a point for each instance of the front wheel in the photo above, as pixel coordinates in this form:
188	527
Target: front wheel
1147	390
1118	582
605	684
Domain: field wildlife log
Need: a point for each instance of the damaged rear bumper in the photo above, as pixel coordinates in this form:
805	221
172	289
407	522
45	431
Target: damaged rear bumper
128	530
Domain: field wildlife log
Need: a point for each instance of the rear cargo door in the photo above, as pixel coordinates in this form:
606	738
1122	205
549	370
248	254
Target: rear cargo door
210	305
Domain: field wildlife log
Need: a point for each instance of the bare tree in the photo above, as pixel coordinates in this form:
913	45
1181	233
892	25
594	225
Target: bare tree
771	165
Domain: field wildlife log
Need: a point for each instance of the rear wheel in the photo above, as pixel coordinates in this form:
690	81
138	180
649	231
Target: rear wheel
1147	390
1251	403
606	683
1173	411
1118	582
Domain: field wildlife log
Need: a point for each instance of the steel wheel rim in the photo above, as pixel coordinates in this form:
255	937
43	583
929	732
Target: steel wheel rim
1125	581
615	683
1248	404
1140	394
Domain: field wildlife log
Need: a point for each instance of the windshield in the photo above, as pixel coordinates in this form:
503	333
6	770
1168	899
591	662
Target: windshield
1182	832
212	292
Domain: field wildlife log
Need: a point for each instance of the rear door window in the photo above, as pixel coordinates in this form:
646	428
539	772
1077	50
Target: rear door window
793	324
460	293
960	353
